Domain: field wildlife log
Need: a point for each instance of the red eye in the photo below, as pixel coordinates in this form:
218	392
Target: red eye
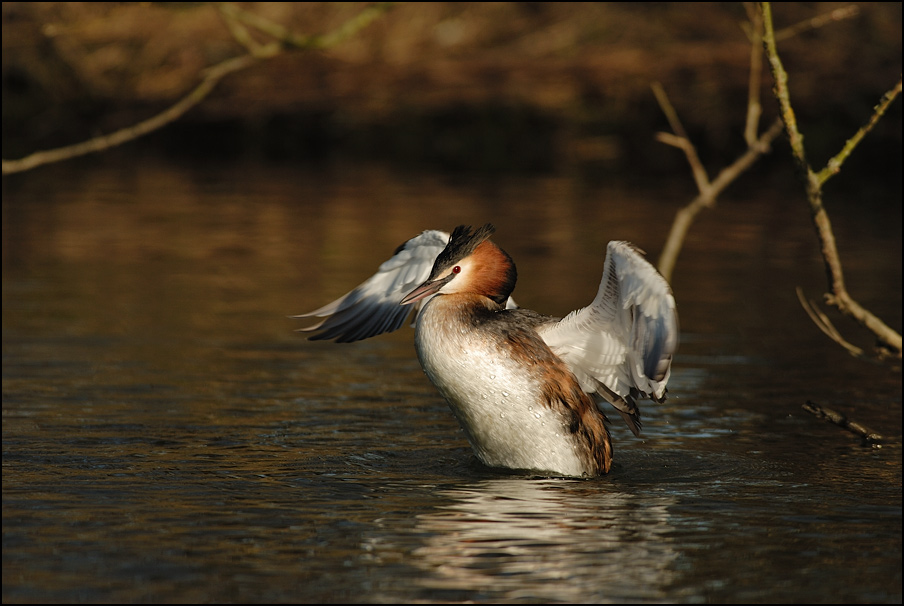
456	269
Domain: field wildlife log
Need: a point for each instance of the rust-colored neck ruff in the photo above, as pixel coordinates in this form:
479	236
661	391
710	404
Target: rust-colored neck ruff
495	274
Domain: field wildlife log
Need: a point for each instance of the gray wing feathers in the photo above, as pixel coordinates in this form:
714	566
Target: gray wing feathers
621	345
373	308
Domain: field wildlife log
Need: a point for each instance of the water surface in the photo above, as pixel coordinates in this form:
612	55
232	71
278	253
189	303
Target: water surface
168	437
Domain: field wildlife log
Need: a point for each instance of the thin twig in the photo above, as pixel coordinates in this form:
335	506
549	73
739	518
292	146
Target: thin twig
700	176
825	325
834	165
239	31
754	108
839	14
869	436
300	41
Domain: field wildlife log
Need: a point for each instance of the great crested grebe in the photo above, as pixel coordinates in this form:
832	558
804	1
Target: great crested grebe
524	386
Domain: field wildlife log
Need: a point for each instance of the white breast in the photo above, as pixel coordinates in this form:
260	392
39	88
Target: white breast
496	400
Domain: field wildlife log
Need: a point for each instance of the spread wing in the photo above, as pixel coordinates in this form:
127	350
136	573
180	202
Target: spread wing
373	308
620	346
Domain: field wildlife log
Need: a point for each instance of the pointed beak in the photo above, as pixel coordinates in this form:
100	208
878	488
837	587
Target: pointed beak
430	287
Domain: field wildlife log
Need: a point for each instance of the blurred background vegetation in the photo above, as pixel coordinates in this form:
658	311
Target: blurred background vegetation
507	86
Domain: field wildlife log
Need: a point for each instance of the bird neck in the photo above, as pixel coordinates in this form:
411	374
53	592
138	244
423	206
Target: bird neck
496	275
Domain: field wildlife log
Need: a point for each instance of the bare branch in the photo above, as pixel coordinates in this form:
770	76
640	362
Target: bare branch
232	14
834	165
675	141
754	109
121	136
838	295
869	436
239	31
685	216
781	88
839	14
210	77
289	38
761	146
710	190
690	151
353	25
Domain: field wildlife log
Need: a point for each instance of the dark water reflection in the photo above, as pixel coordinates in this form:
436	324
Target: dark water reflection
167	437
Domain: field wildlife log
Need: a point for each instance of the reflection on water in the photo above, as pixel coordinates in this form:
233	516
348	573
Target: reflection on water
547	540
167	437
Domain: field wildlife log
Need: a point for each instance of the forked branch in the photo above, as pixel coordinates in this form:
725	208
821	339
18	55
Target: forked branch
889	340
709	190
757	145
